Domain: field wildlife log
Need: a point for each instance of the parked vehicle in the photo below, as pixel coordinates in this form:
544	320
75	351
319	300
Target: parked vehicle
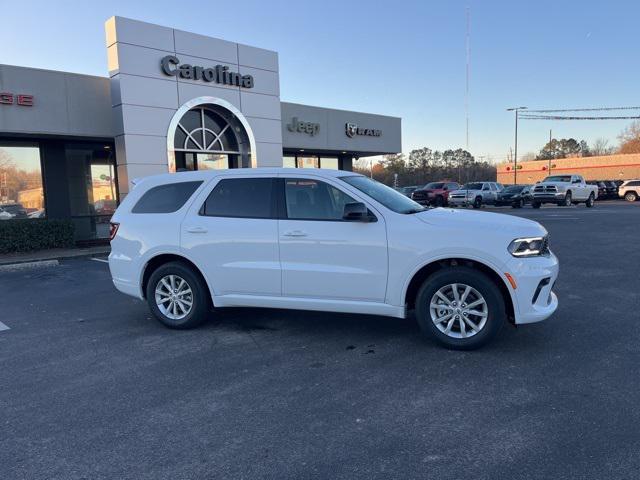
602	188
435	193
407	191
564	190
15	209
515	195
475	194
326	240
612	188
630	190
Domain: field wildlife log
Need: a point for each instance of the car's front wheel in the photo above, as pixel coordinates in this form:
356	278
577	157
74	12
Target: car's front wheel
477	203
460	308
567	201
177	296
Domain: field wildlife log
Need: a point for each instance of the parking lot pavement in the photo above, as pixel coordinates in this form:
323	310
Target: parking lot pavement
92	387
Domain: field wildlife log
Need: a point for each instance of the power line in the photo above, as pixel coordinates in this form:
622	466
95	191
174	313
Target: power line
585	109
559	117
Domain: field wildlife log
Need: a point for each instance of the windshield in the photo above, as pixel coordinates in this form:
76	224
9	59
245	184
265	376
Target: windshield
472	186
387	196
434	186
513	189
558	178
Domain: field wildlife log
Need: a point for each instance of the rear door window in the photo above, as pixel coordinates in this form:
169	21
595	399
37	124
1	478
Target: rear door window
308	199
242	198
166	198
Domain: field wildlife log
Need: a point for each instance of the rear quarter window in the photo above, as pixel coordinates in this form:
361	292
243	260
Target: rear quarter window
166	198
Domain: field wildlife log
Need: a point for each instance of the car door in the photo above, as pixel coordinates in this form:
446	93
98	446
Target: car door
232	235
487	196
323	256
577	187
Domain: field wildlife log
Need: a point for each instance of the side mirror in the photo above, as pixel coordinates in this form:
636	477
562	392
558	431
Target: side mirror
356	212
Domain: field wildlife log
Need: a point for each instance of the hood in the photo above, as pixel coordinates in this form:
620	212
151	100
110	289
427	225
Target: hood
463	191
555	184
472	221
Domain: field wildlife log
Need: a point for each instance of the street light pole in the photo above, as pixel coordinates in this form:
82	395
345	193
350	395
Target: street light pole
515	148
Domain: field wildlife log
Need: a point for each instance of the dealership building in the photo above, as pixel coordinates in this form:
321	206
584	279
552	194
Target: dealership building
70	144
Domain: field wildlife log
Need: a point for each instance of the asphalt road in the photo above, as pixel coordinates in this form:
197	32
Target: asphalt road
91	387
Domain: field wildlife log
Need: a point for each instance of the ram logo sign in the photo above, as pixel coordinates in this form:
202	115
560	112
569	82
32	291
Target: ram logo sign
352	129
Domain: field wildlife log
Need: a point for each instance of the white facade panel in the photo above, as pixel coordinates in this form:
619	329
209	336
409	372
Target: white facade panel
269	154
265	82
266	130
188	91
150	92
193	44
145	120
258	105
134	32
257	58
135	60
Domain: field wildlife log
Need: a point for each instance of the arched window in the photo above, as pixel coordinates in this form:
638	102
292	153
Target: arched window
210	137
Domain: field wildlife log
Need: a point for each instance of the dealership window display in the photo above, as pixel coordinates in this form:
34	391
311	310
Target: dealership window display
21	190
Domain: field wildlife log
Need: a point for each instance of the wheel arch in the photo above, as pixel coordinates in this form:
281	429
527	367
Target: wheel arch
424	272
160	259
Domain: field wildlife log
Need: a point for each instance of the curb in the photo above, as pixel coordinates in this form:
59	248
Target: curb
12	267
79	254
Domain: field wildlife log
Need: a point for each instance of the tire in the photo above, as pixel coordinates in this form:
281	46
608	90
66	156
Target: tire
493	308
536	204
518	204
439	201
163	311
590	201
630	196
477	203
567	200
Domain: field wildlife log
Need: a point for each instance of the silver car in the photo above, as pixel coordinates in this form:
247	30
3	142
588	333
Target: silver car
475	194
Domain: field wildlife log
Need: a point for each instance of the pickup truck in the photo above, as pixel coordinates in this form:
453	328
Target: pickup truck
564	190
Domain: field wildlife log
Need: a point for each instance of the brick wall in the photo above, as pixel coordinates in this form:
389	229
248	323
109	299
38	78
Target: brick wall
609	167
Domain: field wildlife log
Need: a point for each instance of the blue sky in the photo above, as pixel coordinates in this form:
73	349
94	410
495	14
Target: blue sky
399	58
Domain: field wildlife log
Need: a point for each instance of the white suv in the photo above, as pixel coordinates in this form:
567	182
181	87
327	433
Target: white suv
629	190
326	240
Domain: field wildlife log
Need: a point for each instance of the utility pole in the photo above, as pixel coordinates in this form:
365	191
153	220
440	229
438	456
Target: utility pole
515	149
466	95
550	138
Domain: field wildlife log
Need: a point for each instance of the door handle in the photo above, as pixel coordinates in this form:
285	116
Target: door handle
197	230
295	233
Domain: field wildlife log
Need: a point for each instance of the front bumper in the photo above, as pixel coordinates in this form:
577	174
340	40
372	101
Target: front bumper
548	197
534	299
459	202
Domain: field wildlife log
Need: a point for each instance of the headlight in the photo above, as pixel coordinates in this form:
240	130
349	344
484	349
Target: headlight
529	247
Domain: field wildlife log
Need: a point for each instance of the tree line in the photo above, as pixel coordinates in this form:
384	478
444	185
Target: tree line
424	165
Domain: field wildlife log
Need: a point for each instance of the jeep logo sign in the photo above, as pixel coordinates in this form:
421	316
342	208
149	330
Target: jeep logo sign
220	74
352	130
303	127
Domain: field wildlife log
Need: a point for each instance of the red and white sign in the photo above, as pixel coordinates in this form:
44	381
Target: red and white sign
21	99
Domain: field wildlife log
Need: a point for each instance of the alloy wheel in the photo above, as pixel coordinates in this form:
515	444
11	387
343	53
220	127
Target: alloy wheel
174	297
458	310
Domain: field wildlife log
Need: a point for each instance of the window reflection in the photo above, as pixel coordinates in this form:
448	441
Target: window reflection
21	192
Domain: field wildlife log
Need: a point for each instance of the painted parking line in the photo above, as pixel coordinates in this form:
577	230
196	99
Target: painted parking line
100	260
3	327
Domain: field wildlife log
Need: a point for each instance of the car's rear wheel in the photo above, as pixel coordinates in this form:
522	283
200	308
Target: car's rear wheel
518	204
477	203
536	204
460	308
177	296
630	196
590	201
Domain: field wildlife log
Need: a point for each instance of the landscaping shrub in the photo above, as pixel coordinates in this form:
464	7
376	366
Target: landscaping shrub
35	234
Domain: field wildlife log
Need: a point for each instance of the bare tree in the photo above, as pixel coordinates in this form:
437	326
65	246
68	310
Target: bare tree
601	147
630	138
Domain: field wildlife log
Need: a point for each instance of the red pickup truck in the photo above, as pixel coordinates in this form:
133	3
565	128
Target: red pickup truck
434	193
